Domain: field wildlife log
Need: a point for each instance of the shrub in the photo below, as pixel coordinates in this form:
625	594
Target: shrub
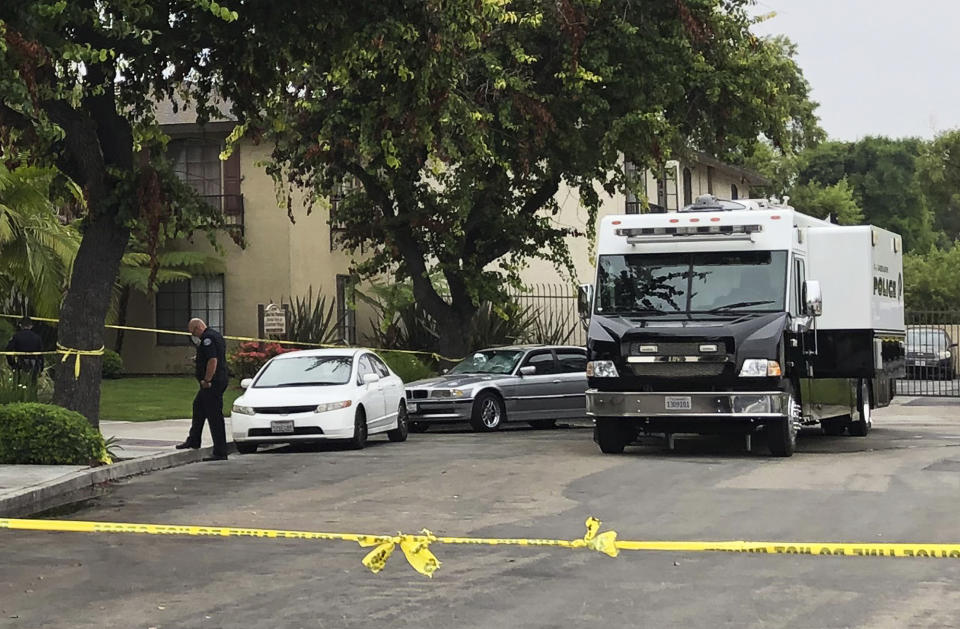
6	332
112	366
43	434
408	366
250	356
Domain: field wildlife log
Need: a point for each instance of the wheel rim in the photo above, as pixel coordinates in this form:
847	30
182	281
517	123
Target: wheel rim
865	414
490	413
796	418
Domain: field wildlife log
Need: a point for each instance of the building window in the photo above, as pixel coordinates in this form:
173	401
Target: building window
709	179
346	312
734	193
345	188
180	301
633	175
687	187
197	162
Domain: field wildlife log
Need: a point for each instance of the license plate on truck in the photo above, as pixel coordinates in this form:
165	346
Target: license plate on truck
281	427
678	403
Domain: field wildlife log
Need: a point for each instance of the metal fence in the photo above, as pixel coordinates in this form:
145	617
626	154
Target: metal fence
932	357
552	313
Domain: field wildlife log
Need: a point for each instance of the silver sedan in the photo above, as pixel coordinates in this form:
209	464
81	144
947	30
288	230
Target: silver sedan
536	384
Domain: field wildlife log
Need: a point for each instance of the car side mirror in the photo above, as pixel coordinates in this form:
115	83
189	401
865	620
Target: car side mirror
370	378
813	298
585	302
529	370
246	383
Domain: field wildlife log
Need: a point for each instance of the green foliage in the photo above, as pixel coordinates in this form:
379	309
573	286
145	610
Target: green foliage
408	366
7	330
42	434
112	365
311	320
460	121
20	387
932	281
507	325
883	174
822	201
939	172
36	249
552	327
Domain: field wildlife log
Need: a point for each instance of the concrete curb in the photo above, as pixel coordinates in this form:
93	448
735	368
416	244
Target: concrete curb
86	484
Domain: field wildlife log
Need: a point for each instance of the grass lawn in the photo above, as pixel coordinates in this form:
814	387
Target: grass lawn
156	397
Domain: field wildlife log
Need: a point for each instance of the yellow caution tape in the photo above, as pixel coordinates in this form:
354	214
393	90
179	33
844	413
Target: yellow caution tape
66	352
244	339
417	552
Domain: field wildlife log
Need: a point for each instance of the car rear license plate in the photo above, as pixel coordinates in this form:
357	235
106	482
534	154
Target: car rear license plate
678	403
282	427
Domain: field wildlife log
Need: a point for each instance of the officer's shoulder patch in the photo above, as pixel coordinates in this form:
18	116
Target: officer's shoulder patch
208	341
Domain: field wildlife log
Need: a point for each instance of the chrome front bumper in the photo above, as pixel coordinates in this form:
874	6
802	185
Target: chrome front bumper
741	405
439	410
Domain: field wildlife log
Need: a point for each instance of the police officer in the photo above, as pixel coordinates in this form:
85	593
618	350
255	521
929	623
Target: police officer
26	340
211	373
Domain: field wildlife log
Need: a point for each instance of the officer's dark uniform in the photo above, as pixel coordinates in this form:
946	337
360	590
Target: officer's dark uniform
209	402
26	341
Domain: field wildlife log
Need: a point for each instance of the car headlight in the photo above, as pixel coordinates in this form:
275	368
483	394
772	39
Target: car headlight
944	354
333	406
602	369
760	368
239	409
451	393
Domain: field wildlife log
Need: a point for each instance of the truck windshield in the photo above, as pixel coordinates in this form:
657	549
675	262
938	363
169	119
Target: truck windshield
692	283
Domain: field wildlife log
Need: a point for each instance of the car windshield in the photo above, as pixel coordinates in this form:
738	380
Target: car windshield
305	371
489	361
927	338
691	283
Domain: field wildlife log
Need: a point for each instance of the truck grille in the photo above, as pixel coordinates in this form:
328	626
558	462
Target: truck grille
678	370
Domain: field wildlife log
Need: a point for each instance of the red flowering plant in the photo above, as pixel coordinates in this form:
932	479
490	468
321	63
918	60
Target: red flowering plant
250	356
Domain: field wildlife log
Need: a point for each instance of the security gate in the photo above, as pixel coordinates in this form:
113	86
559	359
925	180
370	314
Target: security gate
933	362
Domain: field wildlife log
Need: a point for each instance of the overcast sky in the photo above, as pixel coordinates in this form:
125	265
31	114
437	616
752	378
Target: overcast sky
877	67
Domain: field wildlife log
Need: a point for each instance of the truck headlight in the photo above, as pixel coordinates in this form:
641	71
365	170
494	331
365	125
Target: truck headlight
602	369
332	406
944	354
239	409
760	368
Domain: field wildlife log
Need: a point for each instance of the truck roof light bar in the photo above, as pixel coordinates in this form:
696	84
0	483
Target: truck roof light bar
705	232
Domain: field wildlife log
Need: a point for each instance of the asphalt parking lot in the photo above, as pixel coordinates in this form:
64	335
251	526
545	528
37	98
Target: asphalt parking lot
899	484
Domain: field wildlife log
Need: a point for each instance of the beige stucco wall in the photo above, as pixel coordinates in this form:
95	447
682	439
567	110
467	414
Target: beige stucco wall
280	260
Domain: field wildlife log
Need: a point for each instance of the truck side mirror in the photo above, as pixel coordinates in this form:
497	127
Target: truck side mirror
813	298
585	302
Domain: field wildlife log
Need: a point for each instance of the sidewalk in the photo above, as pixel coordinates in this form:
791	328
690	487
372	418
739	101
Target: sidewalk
141	447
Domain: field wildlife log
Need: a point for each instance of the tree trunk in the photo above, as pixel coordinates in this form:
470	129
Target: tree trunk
84	312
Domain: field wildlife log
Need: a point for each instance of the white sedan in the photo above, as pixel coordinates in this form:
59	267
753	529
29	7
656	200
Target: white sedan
320	395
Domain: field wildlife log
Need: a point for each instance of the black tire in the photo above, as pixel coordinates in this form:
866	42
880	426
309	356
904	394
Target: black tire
488	412
781	437
418	427
359	439
543	424
834	426
246	447
400	433
860	427
613	435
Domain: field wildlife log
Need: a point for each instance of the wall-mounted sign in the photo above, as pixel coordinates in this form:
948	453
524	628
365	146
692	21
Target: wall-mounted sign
273	320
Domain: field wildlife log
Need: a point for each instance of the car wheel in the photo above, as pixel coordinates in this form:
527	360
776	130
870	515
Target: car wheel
488	412
613	435
400	432
864	421
359	431
418	427
834	426
246	447
543	424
